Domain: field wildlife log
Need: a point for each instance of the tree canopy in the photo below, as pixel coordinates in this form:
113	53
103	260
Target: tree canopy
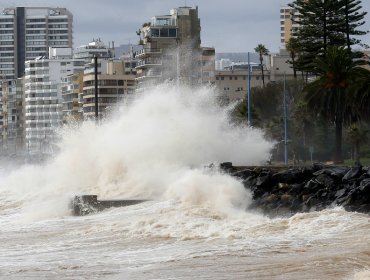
325	23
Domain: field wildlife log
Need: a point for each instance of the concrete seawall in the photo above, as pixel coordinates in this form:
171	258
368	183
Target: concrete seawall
87	204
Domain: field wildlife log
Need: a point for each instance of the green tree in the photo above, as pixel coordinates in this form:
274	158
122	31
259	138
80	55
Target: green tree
352	18
329	95
292	47
357	135
361	99
325	23
261	50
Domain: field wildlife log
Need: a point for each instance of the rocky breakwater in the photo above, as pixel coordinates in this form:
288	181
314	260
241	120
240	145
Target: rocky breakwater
288	190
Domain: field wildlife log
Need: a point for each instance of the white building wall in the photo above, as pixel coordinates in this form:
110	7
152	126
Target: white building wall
43	99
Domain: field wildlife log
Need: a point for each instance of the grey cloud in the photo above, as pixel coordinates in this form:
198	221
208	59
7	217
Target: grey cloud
233	25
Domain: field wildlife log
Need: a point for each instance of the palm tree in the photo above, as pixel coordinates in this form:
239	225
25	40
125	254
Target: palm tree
261	50
362	93
330	94
293	48
357	135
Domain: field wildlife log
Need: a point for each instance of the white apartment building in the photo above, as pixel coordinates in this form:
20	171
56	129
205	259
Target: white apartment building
27	32
95	48
43	97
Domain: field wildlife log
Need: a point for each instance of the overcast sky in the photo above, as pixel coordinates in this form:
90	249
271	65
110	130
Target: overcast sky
227	25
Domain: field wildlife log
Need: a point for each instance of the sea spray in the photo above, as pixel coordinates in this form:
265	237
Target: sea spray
155	148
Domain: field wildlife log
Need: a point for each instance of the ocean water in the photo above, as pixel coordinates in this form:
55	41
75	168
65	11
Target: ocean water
195	225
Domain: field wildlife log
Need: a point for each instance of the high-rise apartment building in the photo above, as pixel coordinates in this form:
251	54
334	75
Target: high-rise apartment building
171	48
288	24
27	32
43	95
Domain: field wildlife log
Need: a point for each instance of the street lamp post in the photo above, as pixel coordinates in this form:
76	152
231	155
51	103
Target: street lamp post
249	93
96	89
285	126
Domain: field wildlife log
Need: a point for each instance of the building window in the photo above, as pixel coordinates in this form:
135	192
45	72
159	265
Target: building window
230	78
222	78
235	78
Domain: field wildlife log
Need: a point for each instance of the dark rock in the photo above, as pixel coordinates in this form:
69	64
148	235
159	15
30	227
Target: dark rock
296	204
243	174
338	172
284	187
325	180
264	181
296	188
317	166
271	198
289	176
365	186
340	193
250	182
277	191
311	187
324	194
227	166
286	199
353	173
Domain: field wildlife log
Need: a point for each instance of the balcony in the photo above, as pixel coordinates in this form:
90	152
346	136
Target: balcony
148	62
149	75
145	52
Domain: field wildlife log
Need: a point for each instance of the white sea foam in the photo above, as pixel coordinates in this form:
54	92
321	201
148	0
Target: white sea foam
155	148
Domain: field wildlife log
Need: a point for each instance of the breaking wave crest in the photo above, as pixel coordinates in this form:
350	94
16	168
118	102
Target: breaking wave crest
154	148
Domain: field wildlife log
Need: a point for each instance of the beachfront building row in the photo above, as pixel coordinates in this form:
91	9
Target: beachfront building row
57	90
27	33
78	91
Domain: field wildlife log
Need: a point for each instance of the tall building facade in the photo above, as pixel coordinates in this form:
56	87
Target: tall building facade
288	24
171	48
43	95
27	32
